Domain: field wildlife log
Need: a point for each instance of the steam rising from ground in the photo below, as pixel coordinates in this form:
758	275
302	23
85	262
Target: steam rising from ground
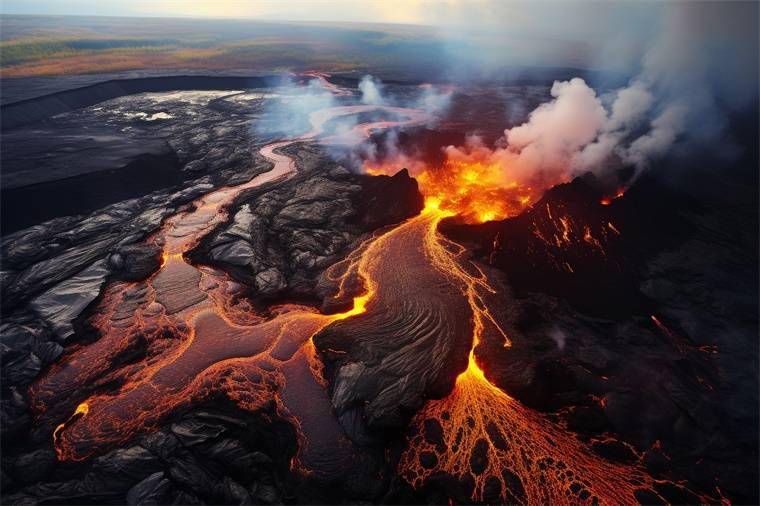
676	104
574	133
433	99
288	115
371	90
688	81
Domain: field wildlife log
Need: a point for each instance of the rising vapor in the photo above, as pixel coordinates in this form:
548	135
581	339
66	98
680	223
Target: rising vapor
682	82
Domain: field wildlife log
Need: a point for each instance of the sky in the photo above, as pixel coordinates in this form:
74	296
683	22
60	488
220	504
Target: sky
560	16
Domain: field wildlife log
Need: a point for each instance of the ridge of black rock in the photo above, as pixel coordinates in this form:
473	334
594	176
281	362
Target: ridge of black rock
217	454
35	109
567	244
386	200
85	193
281	238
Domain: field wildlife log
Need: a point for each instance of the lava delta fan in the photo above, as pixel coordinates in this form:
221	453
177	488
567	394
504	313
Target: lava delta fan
479	252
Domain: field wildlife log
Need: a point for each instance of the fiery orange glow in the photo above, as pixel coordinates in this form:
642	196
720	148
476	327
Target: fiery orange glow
608	199
505	451
80	412
480	435
475	191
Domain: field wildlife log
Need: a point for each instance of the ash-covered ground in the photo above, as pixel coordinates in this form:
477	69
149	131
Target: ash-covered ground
645	345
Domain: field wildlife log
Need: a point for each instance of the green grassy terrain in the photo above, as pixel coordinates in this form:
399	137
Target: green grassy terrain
40	45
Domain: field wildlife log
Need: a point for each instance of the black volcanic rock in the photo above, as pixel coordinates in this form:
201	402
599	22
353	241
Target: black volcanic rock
34	466
567	244
63	166
136	262
279	241
36	109
38	258
222	463
635	342
151	490
409	344
385	200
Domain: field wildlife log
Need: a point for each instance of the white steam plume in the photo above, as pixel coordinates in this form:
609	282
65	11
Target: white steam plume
288	114
680	85
371	90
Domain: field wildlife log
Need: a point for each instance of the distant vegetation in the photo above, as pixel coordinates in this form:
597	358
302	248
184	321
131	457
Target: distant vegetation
33	46
17	52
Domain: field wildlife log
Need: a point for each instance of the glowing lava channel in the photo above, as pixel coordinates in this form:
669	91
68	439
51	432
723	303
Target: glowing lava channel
185	334
486	439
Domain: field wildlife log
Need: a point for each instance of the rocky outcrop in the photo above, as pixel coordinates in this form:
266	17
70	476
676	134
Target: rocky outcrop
135	262
38	258
565	244
209	457
36	109
281	239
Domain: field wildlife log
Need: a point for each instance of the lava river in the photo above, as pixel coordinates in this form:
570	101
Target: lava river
182	335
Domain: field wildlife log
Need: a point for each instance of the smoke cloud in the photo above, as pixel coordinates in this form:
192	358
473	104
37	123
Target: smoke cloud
680	97
287	114
434	100
371	91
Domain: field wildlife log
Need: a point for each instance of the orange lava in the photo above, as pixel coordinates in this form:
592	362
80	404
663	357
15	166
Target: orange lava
608	200
503	450
475	191
186	333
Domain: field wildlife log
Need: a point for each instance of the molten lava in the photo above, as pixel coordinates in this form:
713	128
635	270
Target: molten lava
474	191
504	451
185	334
608	199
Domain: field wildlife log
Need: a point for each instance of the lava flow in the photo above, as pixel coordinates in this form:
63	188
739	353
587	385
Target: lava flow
475	191
184	334
501	450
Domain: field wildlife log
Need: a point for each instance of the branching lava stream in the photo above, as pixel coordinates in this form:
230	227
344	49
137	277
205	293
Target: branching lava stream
487	439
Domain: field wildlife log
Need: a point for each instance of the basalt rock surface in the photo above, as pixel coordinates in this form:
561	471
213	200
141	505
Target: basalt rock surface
212	456
279	240
143	143
624	333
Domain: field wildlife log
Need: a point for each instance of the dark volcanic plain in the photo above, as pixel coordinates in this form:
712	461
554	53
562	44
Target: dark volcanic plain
646	349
